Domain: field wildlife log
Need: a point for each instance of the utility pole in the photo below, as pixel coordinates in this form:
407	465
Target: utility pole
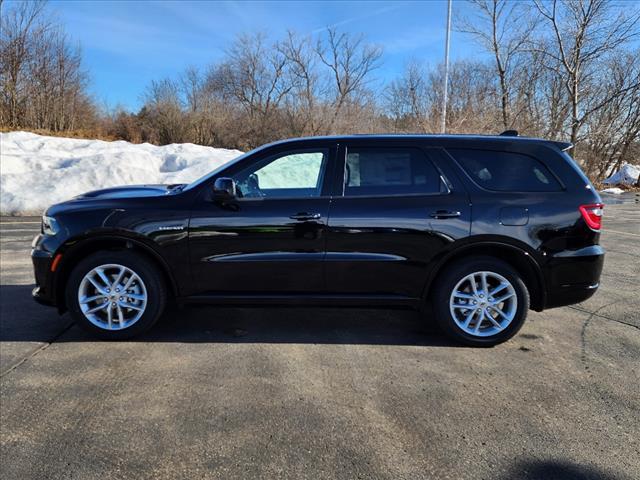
443	127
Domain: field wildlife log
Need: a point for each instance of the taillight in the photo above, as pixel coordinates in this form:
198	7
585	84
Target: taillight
592	214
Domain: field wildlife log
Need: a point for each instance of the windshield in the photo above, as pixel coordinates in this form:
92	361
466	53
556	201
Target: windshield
206	177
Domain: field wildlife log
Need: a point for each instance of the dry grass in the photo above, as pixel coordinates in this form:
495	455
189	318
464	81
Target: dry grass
81	134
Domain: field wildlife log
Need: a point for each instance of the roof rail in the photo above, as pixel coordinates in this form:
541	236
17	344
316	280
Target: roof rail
509	133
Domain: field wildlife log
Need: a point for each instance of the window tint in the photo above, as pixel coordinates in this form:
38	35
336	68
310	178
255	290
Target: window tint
506	171
294	174
390	171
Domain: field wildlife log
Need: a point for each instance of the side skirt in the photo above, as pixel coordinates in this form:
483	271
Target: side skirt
304	300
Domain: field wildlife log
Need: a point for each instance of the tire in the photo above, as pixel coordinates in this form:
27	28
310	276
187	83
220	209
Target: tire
131	312
460	323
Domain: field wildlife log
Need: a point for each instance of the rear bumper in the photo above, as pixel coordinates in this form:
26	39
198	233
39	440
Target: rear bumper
570	295
573	276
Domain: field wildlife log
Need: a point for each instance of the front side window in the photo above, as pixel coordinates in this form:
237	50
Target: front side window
390	171
285	175
506	171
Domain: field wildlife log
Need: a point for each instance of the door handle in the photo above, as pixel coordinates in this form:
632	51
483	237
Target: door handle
305	216
444	214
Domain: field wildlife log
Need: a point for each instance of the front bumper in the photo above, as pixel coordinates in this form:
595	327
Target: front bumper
573	276
44	291
39	296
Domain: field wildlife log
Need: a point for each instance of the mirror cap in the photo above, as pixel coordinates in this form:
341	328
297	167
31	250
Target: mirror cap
225	186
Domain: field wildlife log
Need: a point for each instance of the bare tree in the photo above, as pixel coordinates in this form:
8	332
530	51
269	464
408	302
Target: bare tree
503	28
18	27
350	62
583	34
199	102
164	109
303	105
614	129
191	84
541	100
471	90
43	83
406	99
258	77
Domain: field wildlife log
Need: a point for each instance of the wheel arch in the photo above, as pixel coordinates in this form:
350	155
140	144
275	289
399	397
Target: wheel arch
519	258
76	251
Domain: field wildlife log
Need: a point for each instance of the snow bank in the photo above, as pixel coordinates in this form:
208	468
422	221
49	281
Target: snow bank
37	171
613	191
627	175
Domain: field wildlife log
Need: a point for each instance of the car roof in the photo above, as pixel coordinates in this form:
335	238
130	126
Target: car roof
445	138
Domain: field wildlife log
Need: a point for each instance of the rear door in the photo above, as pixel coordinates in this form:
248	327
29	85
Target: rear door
393	212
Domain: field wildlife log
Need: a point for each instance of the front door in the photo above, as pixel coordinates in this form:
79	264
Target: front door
271	238
396	212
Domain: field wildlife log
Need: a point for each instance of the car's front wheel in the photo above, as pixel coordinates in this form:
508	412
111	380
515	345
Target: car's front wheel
116	294
481	301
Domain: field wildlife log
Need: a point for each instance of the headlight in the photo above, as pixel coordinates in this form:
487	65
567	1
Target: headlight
49	225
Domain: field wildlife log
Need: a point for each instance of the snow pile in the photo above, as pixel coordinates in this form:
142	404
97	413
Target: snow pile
613	191
627	175
37	171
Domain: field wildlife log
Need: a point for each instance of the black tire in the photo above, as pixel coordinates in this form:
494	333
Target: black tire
156	291
447	281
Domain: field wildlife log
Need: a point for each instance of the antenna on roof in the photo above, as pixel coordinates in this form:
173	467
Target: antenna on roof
509	133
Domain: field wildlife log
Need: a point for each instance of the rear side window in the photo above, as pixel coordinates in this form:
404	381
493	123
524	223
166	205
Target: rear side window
390	171
506	171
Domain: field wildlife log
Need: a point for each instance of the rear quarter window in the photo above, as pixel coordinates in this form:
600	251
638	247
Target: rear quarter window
506	171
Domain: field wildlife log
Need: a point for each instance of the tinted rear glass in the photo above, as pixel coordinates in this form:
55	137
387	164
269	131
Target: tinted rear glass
506	171
390	171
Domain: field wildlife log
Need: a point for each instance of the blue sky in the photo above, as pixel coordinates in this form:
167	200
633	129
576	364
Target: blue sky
126	44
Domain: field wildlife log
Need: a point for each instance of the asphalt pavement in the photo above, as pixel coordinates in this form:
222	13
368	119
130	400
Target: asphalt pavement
323	393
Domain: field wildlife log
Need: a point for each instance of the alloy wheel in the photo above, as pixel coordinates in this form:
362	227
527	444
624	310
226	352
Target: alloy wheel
483	304
112	296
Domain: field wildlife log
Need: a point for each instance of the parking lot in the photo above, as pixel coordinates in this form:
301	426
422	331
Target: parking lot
323	393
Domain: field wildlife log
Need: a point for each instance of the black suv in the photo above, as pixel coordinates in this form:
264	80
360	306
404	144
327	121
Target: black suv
477	228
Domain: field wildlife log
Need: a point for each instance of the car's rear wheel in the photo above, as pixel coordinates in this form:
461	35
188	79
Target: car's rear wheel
116	295
481	301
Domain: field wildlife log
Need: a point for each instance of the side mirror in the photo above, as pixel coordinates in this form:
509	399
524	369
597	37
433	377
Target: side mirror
224	187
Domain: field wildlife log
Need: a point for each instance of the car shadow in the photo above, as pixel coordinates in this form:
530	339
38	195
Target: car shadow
556	470
21	319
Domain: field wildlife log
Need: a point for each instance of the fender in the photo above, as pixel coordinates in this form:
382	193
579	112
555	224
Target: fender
484	245
79	246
